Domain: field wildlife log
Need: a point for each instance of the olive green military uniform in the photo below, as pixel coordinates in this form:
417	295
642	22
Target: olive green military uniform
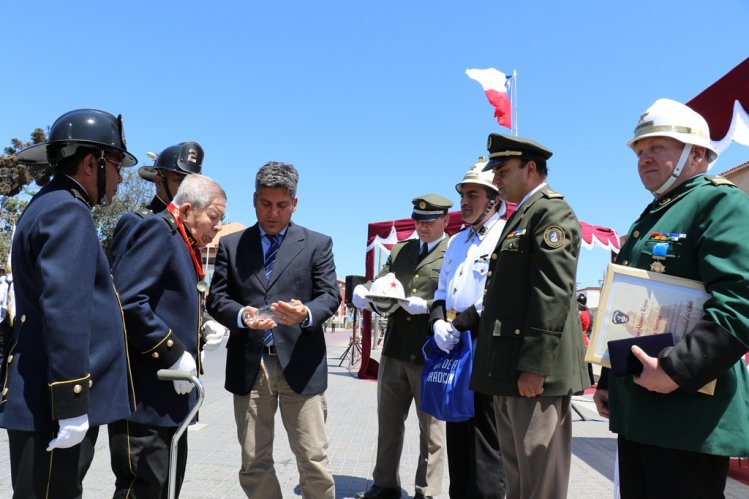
401	364
705	220
530	324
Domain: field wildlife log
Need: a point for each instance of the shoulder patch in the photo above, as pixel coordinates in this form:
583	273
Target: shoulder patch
718	180
554	236
169	219
552	195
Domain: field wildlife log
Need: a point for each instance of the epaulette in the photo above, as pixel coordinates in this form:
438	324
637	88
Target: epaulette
169	219
718	180
80	197
143	212
552	195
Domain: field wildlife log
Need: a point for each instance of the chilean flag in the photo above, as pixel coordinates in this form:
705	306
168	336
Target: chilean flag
495	84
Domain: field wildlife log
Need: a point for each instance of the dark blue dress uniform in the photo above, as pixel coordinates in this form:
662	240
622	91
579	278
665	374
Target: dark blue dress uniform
157	282
128	221
67	352
66	356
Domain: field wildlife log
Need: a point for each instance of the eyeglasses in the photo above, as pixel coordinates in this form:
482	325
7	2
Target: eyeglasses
117	164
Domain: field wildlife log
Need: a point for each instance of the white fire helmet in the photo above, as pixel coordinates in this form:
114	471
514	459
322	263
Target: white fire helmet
668	118
385	293
476	176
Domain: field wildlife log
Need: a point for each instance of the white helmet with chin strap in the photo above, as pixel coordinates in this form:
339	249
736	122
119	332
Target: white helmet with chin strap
668	118
476	175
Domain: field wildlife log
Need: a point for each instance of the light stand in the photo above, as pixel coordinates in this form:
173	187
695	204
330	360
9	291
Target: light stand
354	346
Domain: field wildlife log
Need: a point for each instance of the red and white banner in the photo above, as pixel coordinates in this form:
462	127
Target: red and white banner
495	84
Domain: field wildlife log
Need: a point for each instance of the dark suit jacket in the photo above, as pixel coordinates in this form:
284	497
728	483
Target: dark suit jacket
157	282
530	320
67	353
304	269
407	333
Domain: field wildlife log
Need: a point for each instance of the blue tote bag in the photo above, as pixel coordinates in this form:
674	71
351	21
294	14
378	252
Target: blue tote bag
445	379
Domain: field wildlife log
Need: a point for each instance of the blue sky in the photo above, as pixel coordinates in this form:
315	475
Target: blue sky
369	99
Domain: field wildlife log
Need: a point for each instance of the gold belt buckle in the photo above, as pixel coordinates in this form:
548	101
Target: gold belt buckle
451	315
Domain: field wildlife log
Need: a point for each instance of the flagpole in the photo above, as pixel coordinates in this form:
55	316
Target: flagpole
515	99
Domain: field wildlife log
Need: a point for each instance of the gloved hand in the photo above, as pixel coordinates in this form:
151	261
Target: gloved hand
360	297
415	305
71	433
213	334
445	335
185	363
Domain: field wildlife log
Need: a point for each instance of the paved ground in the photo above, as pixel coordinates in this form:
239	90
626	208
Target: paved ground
352	429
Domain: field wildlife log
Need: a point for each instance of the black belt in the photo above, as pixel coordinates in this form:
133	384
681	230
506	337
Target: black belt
269	349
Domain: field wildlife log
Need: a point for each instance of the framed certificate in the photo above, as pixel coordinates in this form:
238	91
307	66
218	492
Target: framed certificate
636	302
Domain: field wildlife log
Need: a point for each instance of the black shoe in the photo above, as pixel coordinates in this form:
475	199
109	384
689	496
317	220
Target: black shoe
419	495
377	492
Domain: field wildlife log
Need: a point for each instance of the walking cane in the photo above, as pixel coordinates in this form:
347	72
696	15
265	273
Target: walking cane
172	375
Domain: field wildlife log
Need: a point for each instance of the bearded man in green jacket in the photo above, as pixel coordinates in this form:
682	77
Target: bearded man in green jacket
674	441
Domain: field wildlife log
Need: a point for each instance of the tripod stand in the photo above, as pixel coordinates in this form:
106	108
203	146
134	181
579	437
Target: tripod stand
353	350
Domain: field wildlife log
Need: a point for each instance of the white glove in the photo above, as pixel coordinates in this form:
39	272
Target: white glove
415	305
445	335
360	297
185	363
213	334
71	433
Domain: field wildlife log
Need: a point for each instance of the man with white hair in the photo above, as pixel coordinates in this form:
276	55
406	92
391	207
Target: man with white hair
674	441
159	277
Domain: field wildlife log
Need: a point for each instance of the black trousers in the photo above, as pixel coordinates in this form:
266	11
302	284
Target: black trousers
140	460
473	455
37	473
652	472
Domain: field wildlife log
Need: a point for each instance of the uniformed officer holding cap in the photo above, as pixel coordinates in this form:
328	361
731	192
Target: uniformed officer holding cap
416	263
530	352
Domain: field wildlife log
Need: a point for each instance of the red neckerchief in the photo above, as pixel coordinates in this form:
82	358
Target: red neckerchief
195	260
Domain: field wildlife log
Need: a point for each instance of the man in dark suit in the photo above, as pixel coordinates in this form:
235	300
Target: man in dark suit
530	351
67	370
162	308
416	263
273	286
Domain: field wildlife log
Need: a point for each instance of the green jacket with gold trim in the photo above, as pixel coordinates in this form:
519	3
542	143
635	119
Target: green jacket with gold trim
529	320
708	218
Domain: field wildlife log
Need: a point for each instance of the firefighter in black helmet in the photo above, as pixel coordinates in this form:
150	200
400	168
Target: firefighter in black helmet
66	371
167	173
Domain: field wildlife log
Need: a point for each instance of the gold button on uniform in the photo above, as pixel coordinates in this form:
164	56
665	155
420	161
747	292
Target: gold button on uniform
155	355
489	274
517	331
416	276
413	290
169	343
494	256
625	262
90	383
77	389
408	318
636	233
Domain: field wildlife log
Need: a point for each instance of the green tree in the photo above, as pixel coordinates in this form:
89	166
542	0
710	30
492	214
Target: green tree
132	194
14	177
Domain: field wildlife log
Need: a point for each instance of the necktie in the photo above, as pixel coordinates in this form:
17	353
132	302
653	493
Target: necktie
270	255
270	258
424	251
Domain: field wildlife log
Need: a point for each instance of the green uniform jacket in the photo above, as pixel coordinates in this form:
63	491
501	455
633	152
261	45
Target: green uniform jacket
407	333
530	320
711	216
